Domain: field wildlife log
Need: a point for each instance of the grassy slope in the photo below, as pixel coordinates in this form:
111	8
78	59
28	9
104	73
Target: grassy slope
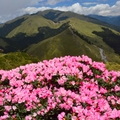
65	43
15	59
31	24
56	15
113	66
86	28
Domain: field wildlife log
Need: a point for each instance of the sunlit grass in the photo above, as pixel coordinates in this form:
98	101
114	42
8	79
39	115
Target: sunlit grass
15	59
31	24
65	43
113	66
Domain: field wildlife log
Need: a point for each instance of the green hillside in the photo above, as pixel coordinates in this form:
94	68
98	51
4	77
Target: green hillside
78	39
7	27
86	31
51	33
31	25
65	43
15	59
57	16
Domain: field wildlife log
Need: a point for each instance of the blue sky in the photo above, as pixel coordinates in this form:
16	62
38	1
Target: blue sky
10	9
82	2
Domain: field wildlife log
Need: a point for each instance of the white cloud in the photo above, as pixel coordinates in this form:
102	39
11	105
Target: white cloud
89	3
8	6
116	9
10	9
53	2
31	10
77	8
100	9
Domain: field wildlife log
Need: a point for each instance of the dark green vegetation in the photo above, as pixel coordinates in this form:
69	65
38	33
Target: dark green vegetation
50	34
13	60
113	40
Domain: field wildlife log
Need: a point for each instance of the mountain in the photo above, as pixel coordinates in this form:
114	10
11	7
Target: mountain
114	20
65	43
48	34
56	16
44	18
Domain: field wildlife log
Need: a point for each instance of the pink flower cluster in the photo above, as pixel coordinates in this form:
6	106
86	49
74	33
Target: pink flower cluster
65	88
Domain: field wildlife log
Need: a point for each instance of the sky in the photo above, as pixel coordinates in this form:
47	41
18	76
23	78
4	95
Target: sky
10	9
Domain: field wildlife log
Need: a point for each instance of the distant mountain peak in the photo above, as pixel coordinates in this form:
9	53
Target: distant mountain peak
114	20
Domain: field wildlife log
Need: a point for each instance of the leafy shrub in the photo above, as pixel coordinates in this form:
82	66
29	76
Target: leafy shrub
65	88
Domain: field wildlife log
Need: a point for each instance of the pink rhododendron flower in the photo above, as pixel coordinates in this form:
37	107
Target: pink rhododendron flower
61	116
7	108
74	118
28	118
62	80
70	87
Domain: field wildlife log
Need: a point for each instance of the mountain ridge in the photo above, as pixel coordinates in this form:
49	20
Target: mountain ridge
51	33
114	20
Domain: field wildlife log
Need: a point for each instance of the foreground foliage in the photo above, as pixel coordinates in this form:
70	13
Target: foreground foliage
65	88
113	66
15	59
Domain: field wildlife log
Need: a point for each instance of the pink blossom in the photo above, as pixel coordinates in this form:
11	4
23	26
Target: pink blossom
28	118
114	113
70	84
61	116
7	108
14	107
62	80
1	101
74	118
